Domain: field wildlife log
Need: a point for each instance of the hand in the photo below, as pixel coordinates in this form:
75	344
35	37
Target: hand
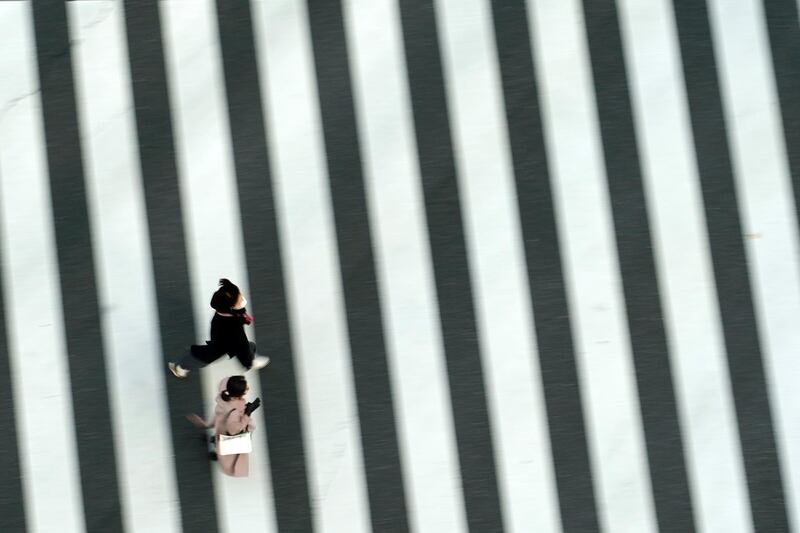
248	319
252	406
196	421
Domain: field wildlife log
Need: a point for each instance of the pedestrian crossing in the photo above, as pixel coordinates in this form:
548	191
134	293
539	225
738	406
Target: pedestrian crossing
520	266
36	348
124	267
691	314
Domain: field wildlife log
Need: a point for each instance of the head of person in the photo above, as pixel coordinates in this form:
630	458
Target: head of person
235	388
228	298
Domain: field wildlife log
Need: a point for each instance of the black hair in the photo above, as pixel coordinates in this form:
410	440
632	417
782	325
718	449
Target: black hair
225	297
234	388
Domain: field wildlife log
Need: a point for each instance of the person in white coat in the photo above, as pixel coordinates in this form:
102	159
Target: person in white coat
231	416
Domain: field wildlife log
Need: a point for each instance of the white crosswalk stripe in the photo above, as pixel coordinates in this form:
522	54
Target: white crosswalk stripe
486	180
698	353
125	276
768	212
605	365
214	238
37	348
305	219
404	272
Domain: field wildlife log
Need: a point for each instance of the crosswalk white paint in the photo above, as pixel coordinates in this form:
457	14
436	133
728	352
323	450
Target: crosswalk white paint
428	449
686	281
313	279
124	268
37	346
768	214
403	264
605	367
211	214
497	265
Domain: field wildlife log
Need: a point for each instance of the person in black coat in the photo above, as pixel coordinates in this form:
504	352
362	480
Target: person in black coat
227	334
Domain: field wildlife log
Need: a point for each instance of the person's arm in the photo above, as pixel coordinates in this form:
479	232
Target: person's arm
237	422
198	422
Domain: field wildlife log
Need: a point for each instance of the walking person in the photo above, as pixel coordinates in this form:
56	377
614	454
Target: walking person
231	416
227	334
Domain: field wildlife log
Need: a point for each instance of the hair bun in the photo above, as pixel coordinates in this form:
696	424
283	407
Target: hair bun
235	387
225	296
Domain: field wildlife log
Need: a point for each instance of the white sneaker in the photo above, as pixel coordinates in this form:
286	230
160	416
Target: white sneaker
178	371
260	361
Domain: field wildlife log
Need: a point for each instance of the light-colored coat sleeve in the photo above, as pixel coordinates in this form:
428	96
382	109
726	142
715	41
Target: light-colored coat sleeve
234	421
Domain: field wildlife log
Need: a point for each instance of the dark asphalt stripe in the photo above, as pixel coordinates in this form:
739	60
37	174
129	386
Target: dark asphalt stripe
450	266
545	275
264	264
730	268
84	339
168	249
634	245
12	501
784	38
357	263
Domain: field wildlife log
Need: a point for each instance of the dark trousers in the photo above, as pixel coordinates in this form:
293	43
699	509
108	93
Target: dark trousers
201	355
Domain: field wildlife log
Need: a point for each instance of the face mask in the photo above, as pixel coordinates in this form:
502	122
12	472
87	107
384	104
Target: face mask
244	303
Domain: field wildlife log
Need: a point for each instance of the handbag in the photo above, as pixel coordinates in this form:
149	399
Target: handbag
234	444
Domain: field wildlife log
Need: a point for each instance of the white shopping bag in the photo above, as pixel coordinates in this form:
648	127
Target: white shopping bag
234	444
